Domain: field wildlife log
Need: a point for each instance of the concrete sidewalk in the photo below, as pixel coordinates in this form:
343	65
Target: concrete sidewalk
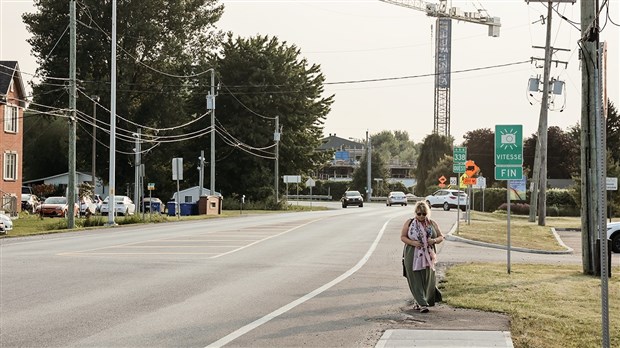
444	339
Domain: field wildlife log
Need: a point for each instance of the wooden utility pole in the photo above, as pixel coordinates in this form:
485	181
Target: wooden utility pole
589	45
72	119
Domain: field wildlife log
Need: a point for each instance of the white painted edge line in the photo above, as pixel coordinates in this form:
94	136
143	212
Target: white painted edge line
253	325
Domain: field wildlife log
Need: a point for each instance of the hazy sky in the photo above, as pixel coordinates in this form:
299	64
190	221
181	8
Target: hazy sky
360	40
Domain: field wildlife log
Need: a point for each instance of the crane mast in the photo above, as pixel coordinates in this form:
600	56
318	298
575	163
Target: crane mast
443	49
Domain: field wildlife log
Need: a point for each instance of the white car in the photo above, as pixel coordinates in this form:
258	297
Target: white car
396	197
446	199
613	233
87	204
124	206
6	222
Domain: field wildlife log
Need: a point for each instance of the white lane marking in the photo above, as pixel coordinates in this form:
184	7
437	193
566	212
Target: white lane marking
253	325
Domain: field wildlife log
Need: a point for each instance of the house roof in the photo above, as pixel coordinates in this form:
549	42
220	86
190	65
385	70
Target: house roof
332	142
9	69
55	177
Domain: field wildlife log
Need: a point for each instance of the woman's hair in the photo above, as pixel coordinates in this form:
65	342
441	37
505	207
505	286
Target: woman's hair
421	206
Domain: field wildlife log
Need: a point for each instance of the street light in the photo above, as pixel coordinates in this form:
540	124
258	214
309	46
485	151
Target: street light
95	99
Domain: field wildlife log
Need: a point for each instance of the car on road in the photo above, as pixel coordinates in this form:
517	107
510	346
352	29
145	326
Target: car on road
613	233
123	206
396	197
447	198
352	198
56	207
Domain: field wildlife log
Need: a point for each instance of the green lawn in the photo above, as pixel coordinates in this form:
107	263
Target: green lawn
549	305
492	228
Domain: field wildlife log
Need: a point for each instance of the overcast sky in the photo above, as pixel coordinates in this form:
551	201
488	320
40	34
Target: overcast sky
359	40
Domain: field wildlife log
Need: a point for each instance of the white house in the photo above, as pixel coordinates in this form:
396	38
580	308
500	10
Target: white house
63	179
192	194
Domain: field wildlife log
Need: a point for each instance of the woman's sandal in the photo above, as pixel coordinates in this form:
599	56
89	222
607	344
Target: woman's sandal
416	307
424	309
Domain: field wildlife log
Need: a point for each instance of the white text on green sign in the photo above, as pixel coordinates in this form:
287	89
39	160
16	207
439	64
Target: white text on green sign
460	155
509	145
508	173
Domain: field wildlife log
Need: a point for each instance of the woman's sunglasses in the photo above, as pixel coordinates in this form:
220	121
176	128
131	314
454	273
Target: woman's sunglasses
421	214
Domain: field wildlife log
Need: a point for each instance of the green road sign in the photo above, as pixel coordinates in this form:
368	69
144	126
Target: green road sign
508	172
458	168
508	145
459	159
460	155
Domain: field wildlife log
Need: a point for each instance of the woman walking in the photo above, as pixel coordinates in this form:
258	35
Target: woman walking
420	234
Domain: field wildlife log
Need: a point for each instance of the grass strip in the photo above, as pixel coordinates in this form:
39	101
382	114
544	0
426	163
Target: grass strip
549	305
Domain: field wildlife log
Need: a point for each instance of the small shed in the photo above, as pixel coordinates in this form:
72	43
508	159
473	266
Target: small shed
192	194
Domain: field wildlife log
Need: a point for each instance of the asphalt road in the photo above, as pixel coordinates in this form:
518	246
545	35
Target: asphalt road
315	279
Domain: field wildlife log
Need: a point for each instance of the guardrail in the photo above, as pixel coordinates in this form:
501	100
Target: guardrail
309	197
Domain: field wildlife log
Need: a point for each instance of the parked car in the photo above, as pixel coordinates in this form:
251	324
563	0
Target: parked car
123	206
7	223
396	197
153	203
352	198
87	206
447	199
613	233
30	202
56	207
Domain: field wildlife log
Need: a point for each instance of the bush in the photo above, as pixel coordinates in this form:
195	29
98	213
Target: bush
516	208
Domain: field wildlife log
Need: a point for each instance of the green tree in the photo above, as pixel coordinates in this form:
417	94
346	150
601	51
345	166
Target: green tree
379	172
443	168
261	78
480	145
434	148
562	153
158	42
394	146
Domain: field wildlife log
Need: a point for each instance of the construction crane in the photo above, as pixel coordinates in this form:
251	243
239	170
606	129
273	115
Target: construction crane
443	49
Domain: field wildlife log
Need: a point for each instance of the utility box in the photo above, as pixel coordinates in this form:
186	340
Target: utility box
214	205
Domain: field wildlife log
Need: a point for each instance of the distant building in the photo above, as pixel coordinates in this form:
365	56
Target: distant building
347	157
12	105
192	194
62	180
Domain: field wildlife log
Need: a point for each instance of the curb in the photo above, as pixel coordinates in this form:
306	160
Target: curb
567	250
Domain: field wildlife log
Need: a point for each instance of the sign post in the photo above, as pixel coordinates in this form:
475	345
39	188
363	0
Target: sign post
177	174
310	183
612	185
508	165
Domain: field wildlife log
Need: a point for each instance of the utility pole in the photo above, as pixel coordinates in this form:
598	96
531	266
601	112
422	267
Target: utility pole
212	178
72	119
111	173
201	180
368	169
136	191
276	138
593	160
538	200
539	177
95	99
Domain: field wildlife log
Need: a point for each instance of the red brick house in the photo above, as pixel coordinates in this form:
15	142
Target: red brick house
12	104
